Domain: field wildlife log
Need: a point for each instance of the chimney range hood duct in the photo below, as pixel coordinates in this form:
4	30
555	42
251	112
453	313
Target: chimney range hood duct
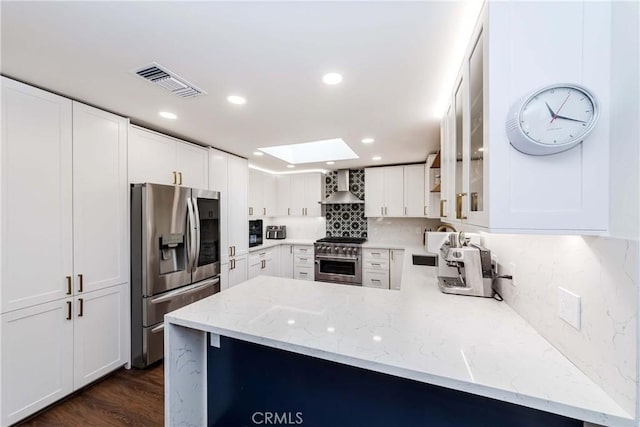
343	195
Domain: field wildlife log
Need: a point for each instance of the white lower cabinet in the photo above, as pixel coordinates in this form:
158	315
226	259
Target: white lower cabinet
286	261
382	268
36	358
52	349
396	259
236	271
100	329
303	262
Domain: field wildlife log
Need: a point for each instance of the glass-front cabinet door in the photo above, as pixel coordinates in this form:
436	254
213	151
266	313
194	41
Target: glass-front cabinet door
474	194
457	156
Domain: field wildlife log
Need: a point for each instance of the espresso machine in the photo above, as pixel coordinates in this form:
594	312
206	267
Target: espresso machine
464	268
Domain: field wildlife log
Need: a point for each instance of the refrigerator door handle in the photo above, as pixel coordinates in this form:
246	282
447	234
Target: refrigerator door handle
196	250
190	236
186	290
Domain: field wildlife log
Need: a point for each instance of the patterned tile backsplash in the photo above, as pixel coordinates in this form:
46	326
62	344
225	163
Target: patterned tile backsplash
346	220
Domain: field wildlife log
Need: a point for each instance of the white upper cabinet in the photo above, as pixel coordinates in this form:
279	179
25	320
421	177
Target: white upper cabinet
219	181
36	196
384	191
262	194
414	202
193	166
300	194
432	185
487	182
100	195
161	159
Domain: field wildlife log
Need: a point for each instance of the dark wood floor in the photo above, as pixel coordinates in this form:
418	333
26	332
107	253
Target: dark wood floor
125	398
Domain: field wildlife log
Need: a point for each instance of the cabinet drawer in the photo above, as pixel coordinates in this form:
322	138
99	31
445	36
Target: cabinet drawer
375	279
381	265
303	273
303	260
257	257
303	250
375	254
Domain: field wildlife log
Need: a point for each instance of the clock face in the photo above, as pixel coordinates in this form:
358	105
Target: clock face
558	116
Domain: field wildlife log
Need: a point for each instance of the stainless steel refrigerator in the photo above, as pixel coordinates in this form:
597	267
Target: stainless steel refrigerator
175	259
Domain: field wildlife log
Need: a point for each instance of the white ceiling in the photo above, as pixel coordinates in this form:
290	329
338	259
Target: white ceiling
395	57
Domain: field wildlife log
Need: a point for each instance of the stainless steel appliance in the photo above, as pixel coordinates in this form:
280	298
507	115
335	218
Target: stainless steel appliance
339	260
175	259
276	232
255	232
464	268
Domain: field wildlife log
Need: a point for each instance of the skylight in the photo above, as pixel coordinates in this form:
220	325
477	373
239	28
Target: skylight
310	152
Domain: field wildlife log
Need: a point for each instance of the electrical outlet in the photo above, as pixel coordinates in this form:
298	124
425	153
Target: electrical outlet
569	307
512	272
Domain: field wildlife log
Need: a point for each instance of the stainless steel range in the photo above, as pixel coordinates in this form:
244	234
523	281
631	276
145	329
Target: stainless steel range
339	260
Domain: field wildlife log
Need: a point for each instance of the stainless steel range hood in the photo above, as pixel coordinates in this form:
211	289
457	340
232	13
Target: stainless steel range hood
343	195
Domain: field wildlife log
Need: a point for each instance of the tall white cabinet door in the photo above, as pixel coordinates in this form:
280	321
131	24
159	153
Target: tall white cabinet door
36	359
193	166
270	186
286	261
36	196
238	274
414	202
218	181
298	200
374	192
313	194
100	198
152	157
283	190
99	334
395	268
394	191
255	197
238	219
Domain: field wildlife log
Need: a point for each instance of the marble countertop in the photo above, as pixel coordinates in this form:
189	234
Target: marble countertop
476	345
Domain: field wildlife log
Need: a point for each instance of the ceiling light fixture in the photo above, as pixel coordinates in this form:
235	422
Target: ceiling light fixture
258	153
235	99
291	166
376	158
331	163
167	115
367	140
332	79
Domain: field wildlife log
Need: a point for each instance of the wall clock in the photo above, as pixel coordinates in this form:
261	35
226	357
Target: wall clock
552	119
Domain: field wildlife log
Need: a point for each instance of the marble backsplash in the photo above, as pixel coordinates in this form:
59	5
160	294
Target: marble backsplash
402	231
604	273
299	227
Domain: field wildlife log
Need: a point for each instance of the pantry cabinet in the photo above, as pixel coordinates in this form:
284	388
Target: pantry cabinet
67	210
229	176
161	159
486	182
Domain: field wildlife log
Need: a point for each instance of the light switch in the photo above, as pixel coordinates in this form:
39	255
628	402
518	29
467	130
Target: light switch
569	307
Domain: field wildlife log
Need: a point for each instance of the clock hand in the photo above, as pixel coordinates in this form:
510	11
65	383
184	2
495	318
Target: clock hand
549	108
555	116
569	118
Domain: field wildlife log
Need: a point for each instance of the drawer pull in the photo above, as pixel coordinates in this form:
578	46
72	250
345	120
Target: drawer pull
68	310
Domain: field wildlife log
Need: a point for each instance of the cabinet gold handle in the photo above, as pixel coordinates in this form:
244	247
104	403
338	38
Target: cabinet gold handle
81	310
175	178
234	253
80	283
288	211
68	310
69	287
425	211
250	211
442	203
180	176
391	255
459	206
405	211
230	252
381	211
385	211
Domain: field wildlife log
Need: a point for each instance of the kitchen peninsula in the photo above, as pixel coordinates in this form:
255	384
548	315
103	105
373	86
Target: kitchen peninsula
472	353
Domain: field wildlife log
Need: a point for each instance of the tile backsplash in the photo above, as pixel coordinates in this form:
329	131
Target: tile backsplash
346	219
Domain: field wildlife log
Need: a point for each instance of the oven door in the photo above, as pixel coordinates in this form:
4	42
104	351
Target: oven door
338	269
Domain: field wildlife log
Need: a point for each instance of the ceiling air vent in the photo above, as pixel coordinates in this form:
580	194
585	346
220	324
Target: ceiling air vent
164	78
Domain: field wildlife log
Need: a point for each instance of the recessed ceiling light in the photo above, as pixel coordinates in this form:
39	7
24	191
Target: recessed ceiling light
167	115
235	99
332	78
376	158
258	153
331	163
331	329
377	338
367	140
327	150
291	166
291	321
